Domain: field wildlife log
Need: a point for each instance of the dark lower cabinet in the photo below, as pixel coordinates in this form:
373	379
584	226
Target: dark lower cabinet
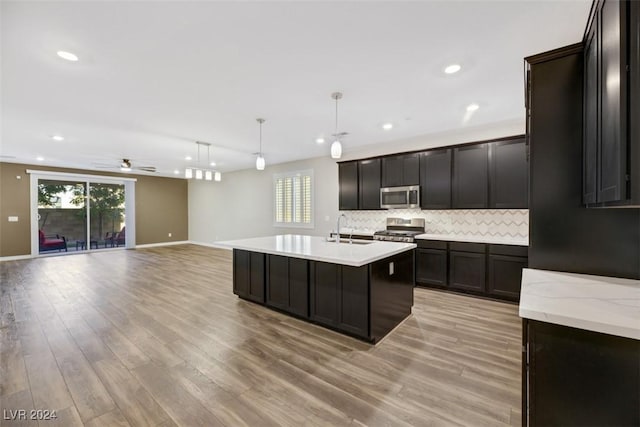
505	276
340	297
573	377
484	269
467	271
249	275
287	287
431	267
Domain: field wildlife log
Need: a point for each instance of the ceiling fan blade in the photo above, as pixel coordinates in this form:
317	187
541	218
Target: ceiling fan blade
146	168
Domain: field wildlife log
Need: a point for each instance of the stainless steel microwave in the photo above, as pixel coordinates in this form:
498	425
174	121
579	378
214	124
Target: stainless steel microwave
400	197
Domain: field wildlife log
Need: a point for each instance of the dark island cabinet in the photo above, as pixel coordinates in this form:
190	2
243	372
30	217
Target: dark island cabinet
435	179
401	170
369	180
348	185
467	266
505	270
431	263
611	139
470	177
508	175
286	286
574	377
339	297
249	275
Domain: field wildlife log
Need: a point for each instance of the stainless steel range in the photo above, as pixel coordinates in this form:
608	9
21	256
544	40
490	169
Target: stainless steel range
401	230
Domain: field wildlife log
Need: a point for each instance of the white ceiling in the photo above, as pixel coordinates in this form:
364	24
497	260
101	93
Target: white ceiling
154	77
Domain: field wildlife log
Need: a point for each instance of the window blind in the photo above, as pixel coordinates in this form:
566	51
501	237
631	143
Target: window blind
293	198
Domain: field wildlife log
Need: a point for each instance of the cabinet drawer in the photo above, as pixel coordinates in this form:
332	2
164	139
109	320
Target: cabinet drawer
431	244
510	250
467	247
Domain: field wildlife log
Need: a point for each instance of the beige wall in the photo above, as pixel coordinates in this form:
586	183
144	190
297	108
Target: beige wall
161	207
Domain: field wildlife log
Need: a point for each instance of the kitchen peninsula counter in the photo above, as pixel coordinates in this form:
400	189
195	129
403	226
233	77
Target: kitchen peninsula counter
363	289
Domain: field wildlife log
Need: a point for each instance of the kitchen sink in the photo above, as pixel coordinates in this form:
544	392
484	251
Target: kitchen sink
352	242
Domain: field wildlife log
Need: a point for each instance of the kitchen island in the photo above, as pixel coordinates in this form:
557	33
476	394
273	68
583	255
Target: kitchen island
360	288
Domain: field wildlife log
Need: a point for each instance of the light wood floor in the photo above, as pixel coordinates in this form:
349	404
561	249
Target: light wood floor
156	337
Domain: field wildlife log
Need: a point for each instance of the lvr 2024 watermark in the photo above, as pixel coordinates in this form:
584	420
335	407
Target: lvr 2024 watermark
30	415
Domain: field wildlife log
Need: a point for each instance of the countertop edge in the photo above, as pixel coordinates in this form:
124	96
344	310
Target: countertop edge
487	241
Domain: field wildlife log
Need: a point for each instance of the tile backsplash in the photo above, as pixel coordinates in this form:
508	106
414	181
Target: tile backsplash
473	222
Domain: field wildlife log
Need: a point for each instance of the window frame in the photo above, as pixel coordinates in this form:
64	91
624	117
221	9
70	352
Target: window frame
275	178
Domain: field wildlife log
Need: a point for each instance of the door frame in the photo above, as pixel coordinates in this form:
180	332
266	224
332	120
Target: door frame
129	201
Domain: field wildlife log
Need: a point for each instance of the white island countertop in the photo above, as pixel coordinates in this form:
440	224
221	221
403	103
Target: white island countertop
608	305
319	249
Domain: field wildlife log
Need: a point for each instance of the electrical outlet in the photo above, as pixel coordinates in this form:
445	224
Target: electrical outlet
169	234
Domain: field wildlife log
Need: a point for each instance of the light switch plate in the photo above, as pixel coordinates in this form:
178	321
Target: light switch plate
13	219
391	269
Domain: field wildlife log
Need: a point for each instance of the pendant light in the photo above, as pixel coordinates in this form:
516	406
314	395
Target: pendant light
336	146
200	173
260	163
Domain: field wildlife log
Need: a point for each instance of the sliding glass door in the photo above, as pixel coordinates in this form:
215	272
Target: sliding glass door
79	215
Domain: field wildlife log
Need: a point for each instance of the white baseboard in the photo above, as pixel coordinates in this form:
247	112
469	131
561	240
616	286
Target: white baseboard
210	245
15	258
154	245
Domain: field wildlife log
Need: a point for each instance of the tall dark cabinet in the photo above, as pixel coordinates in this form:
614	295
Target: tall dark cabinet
348	186
435	179
563	234
369	179
611	144
470	177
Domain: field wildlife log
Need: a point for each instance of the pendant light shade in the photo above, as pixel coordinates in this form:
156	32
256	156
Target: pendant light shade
336	149
260	163
198	172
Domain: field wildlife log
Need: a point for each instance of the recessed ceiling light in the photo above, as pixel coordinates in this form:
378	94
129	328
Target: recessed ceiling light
57	138
452	69
39	158
187	158
319	140
472	107
387	126
177	172
212	164
67	55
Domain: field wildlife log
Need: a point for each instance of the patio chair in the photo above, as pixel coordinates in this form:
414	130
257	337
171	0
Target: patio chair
115	239
52	243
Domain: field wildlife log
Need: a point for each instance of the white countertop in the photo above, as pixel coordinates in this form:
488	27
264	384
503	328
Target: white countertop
494	240
318	249
355	231
601	304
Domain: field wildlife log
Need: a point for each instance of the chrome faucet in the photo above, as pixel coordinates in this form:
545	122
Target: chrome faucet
338	227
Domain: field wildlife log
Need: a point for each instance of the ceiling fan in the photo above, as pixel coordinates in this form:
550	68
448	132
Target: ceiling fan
125	166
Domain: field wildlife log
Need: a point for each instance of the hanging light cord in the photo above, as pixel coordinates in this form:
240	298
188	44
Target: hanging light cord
336	133
260	139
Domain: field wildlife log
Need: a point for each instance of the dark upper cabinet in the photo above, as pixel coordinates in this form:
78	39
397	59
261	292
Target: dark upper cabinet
435	179
611	140
508	174
470	177
249	275
369	180
348	185
400	170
